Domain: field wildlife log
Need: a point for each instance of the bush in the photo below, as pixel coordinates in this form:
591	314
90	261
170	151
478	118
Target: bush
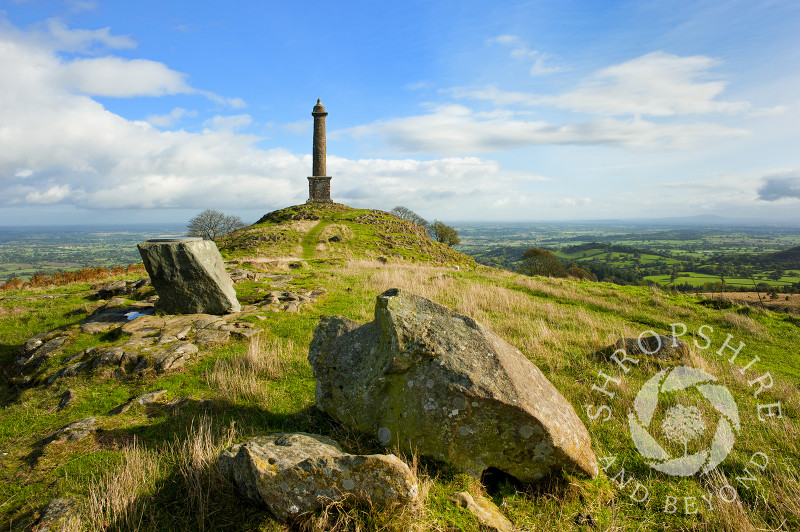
536	261
443	233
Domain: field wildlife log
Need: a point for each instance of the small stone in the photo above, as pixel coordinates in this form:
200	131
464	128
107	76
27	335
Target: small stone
150	397
212	337
96	327
74	431
173	356
115	302
484	510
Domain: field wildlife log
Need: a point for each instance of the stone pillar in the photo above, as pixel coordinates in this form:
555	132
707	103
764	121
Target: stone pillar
319	115
319	185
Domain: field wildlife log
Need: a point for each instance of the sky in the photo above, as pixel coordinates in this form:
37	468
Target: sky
151	111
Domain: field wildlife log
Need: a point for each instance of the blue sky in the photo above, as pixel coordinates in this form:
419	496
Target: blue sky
462	111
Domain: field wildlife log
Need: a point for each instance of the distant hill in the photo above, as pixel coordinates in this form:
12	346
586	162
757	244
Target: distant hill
786	259
335	231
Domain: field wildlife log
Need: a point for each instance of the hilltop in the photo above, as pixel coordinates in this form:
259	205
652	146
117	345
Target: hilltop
332	231
150	465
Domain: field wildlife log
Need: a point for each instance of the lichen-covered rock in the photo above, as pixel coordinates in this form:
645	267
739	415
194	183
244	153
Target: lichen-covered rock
74	431
55	515
189	276
430	380
40	348
292	474
667	347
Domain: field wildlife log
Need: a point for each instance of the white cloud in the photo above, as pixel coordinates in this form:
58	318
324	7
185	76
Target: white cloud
505	39
116	77
170	118
494	95
53	194
541	61
59	146
656	84
228	123
57	35
97	76
455	130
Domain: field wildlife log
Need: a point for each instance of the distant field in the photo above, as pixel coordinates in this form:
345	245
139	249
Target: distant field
641	252
25	251
700	279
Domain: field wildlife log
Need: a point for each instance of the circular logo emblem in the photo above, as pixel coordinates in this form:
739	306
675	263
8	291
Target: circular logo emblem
680	423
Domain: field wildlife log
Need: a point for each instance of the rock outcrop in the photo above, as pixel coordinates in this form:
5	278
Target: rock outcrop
189	276
292	474
430	380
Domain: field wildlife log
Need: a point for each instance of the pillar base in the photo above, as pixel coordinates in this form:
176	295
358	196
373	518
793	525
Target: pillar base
319	189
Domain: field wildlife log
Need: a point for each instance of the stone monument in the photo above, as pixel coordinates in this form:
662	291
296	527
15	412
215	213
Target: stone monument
319	185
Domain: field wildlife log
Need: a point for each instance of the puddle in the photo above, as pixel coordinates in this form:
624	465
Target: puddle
130	316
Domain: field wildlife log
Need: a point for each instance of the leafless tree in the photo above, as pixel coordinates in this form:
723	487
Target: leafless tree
408	214
211	224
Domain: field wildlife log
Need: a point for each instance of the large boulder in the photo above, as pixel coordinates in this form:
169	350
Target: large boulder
189	276
432	381
292	474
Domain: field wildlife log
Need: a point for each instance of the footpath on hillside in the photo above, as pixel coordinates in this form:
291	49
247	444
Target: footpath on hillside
311	239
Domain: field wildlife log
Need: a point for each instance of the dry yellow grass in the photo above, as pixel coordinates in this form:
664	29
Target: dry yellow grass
244	375
743	323
116	501
197	458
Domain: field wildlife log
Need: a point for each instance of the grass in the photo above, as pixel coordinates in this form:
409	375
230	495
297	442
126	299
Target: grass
153	468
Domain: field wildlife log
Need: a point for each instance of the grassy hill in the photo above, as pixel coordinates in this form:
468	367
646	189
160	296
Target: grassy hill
151	467
335	231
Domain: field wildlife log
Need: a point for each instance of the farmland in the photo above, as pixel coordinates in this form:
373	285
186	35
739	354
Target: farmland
685	256
28	250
